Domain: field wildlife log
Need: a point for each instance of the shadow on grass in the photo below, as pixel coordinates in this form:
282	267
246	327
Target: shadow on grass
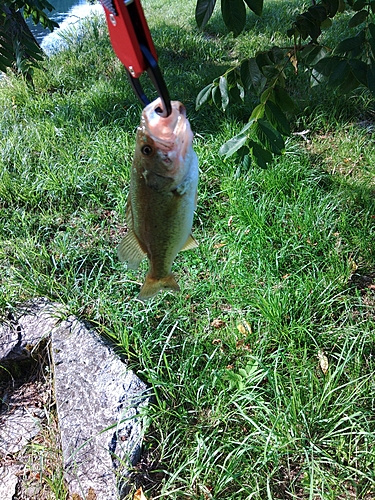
190	59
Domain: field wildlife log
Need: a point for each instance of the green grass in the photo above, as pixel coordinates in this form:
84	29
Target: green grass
239	412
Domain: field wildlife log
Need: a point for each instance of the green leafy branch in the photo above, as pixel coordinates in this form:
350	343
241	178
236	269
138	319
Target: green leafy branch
233	12
19	51
345	67
268	124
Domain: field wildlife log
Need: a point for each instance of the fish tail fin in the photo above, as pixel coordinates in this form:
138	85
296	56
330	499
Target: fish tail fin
152	286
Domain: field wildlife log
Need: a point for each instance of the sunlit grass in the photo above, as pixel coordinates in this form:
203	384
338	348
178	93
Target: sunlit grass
240	412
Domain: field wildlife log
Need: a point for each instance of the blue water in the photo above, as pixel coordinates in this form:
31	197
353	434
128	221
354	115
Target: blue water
66	13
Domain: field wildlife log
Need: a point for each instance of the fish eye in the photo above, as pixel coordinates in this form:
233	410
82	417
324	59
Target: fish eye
147	150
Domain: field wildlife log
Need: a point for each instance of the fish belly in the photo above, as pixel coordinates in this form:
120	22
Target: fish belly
162	222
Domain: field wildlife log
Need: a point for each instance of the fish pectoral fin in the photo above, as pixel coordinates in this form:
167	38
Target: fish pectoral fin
152	286
184	187
130	251
191	243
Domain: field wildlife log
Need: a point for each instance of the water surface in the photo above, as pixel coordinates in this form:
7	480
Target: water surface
66	13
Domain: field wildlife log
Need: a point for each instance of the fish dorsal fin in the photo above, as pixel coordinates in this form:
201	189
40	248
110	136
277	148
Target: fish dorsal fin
130	251
191	243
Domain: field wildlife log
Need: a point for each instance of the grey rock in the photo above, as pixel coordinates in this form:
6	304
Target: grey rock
18	428
98	401
21	336
8	481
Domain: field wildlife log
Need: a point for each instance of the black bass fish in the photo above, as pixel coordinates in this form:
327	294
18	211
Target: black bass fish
162	196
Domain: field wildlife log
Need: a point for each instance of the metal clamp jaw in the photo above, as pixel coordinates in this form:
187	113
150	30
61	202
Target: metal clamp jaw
131	40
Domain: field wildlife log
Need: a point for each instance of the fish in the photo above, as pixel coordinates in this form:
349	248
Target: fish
162	197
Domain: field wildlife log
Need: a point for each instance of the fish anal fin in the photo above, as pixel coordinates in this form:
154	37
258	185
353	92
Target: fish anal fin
191	243
130	251
152	286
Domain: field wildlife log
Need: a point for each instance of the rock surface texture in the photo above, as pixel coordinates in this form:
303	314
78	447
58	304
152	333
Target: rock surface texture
98	401
8	481
27	331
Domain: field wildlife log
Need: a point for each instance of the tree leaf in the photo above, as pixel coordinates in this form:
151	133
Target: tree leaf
234	15
342	6
4	64
6	51
267	94
277	55
318	13
251	75
326	24
248	125
270	71
216	96
256	6
358	5
203	12
246	162
358	18
236	142
203	96
236	94
33	49
372	45
263	59
223	86
258	112
326	65
246	74
269	136
371	78
332	7
284	101
243	151
258	80
311	54
232	77
350	44
277	118
359	70
339	72
350	83
261	155
233	145
307	25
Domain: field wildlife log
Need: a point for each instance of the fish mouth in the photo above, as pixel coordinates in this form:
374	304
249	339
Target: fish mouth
172	132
